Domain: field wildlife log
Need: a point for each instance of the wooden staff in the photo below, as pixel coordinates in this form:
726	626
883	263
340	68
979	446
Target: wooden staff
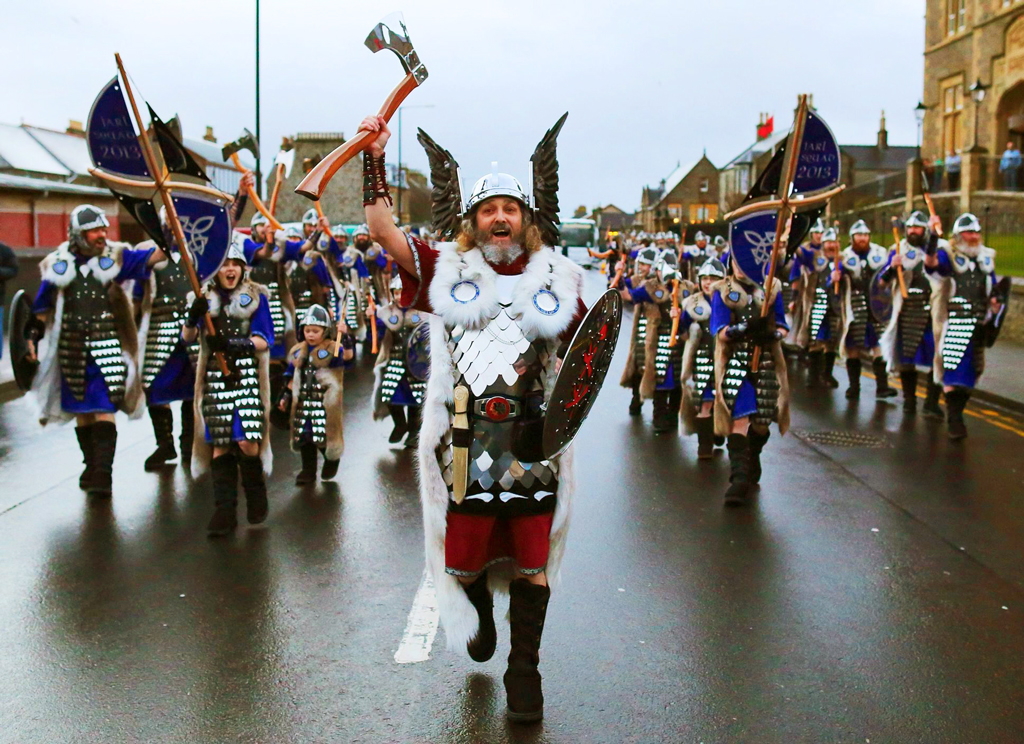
899	257
675	306
260	206
460	444
931	208
164	186
278	178
371	317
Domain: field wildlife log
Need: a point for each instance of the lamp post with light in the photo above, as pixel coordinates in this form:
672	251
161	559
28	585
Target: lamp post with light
977	91
919	111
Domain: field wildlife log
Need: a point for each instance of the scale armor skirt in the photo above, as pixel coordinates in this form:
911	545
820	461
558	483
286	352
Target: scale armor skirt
227	398
95	338
310	414
961	329
859	323
915	315
766	382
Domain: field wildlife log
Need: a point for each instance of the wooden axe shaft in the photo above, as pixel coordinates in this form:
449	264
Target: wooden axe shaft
260	206
278	178
899	261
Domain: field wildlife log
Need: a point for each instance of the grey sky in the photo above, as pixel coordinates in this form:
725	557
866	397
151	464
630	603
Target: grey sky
646	83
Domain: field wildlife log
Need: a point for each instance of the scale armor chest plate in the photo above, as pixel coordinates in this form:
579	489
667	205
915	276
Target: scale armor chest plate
310	411
89	331
967	309
640	342
351	310
298	283
704	361
666	357
224	397
860	313
265	273
819	310
915	314
165	320
499	360
397	367
766	382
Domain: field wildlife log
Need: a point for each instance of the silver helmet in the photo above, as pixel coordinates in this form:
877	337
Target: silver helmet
310	217
818	226
292	232
647	255
258	219
830	235
396	283
669	256
497	184
236	252
720	242
916	219
712	267
860	227
316	315
966	222
85	217
699	237
361	230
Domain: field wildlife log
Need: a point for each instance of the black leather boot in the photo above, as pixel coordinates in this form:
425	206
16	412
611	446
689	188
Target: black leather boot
931	408
635	403
739	470
853	371
398	416
755	443
528	605
224	474
830	364
814	366
883	389
330	468
188	430
163	430
413	440
663	421
255	485
84	434
956	401
705	438
908	381
481	647
104	442
308	473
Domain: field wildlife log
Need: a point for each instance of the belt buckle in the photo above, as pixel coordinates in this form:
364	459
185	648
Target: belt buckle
498	408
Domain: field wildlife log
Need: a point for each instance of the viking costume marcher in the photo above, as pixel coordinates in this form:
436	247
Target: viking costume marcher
969	306
633	373
746	403
88	369
313	397
908	343
400	374
502	303
698	362
694	256
808	276
860	339
307	278
354	275
660	380
265	255
232	412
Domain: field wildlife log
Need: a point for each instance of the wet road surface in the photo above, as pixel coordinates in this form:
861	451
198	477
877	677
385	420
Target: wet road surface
871	594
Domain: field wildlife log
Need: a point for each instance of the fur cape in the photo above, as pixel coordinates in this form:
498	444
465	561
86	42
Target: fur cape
346	279
401	317
695	306
850	261
723	352
545	270
652	312
944	287
912	260
59	269
332	379
202	451
803	301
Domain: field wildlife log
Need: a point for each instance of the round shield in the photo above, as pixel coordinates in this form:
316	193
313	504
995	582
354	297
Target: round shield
880	298
582	373
417	352
20	314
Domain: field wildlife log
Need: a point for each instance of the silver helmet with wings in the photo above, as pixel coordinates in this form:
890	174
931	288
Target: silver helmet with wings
449	205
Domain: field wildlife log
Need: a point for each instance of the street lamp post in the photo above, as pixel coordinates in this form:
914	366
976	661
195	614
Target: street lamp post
919	111
977	95
259	176
420	105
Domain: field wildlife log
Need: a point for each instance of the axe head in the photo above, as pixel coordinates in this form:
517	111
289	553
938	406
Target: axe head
384	36
246	142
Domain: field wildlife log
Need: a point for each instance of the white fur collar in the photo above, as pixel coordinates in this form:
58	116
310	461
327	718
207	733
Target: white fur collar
875	258
242	302
465	293
59	268
697	307
910	256
965	259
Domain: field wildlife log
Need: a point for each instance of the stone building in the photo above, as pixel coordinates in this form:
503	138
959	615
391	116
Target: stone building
342	202
688	194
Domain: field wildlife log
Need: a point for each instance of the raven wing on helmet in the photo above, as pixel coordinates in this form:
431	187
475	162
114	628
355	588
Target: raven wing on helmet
544	175
446	188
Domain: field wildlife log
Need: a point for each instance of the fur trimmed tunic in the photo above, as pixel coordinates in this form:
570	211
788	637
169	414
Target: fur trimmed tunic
328	386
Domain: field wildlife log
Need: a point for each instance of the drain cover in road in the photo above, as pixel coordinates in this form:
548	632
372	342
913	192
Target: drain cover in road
842	438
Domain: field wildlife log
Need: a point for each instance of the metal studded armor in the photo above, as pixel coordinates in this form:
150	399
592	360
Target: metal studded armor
409	355
89	332
239	393
666	358
300	282
704	359
310	412
266	273
166	319
967	309
820	307
858	272
915	313
741	358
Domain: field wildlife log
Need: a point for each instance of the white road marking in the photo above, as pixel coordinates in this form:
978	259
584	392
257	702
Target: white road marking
421	628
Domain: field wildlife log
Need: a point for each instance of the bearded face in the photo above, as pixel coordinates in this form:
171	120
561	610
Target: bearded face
362	242
915	236
498	229
94	241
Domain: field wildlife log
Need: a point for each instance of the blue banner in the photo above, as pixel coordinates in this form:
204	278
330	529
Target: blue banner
819	164
751	240
207	227
111	138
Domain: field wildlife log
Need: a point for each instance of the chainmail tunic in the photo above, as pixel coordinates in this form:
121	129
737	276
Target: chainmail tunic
89	331
238	394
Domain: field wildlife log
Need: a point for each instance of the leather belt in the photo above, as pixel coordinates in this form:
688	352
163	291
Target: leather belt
497	408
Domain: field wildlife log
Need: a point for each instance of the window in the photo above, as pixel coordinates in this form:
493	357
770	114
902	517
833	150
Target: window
675	210
704	186
956	16
703	212
952	113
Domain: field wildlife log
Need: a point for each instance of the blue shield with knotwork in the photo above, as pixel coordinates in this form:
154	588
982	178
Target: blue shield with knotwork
110	136
751	240
818	167
207	227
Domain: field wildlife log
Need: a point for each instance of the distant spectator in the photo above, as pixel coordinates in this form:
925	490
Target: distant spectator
953	170
938	167
8	270
1009	164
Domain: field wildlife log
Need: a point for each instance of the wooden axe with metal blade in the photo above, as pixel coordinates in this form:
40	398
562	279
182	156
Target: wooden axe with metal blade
382	37
230	151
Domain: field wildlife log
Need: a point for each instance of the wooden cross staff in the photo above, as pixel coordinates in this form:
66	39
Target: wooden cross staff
164	185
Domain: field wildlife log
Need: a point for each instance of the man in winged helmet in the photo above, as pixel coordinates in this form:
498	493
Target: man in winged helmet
503	304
